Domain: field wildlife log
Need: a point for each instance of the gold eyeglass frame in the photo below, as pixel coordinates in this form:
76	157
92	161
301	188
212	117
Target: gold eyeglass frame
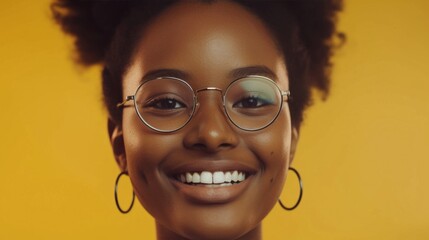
283	94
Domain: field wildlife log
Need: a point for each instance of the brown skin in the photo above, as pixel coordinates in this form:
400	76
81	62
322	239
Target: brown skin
207	42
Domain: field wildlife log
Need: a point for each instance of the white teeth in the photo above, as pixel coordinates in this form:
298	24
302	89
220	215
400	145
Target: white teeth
207	177
217	178
234	176
196	178
228	177
188	177
240	176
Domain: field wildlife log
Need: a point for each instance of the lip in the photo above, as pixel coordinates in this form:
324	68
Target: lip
211	195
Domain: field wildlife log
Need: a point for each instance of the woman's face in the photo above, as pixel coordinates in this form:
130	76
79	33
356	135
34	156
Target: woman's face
205	44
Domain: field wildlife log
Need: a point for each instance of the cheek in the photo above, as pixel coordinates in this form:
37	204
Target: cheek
272	148
272	145
145	148
145	152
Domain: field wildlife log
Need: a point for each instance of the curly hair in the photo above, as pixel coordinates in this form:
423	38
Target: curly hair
107	32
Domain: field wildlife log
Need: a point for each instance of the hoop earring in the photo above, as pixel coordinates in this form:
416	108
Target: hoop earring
116	195
300	192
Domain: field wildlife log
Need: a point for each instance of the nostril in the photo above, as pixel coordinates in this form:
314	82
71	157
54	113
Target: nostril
225	145
199	146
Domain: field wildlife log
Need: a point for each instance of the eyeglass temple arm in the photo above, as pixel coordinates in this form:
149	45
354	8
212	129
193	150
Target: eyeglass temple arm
287	94
122	104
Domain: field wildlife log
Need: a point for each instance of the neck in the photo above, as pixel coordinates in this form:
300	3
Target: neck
166	234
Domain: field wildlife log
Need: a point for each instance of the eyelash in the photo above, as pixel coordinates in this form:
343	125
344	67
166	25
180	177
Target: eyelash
259	102
162	100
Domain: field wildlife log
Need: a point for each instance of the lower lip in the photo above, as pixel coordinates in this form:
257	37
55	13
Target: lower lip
212	194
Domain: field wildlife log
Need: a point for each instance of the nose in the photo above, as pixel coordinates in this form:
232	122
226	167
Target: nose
210	130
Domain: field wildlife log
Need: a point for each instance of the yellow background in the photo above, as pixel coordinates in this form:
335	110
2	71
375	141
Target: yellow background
363	154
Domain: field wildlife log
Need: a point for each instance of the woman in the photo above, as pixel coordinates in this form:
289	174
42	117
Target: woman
205	100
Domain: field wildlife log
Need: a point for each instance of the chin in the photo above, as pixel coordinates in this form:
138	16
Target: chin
215	231
214	222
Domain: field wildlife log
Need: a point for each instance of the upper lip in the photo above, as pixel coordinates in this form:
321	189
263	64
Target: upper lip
211	166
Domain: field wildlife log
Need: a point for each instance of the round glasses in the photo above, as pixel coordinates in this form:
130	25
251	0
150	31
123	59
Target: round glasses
167	104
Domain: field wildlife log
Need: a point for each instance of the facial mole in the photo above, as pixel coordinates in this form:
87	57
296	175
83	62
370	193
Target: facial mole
272	153
271	180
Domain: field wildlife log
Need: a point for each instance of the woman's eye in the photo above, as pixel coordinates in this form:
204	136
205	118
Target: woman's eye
165	104
251	102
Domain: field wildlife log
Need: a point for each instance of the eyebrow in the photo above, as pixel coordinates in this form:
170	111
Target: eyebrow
164	73
234	74
253	70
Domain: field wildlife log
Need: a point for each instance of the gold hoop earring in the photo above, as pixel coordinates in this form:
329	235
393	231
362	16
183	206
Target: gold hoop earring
300	193
116	195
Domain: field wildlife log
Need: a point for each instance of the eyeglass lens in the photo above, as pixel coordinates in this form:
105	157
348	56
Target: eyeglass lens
167	104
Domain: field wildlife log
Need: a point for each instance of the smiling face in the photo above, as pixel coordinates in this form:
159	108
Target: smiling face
206	45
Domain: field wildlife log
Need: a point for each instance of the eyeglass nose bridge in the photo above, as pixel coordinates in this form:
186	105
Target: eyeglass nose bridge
208	89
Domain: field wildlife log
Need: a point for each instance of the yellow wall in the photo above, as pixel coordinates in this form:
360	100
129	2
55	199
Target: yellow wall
363	154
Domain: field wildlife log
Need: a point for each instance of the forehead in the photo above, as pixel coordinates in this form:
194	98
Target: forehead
207	41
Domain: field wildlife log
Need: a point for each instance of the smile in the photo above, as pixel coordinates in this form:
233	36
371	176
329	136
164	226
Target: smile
212	179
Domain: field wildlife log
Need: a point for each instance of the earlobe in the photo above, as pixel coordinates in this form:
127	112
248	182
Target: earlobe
294	143
116	138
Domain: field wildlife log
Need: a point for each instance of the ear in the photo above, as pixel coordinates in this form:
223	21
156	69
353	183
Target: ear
117	142
294	143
